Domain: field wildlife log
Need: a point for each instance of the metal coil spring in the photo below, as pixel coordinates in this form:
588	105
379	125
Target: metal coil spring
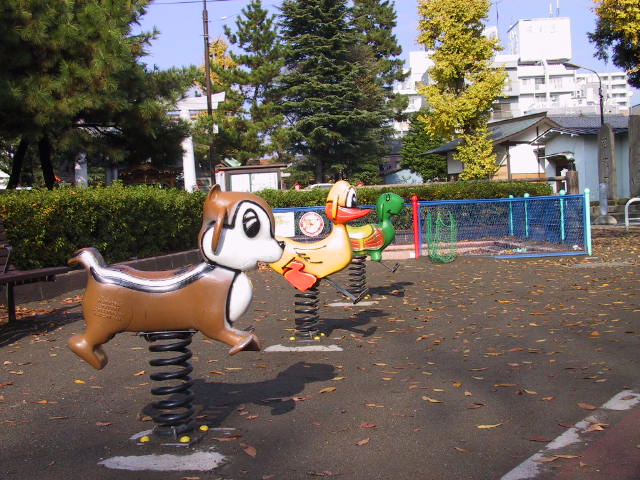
357	275
306	310
172	415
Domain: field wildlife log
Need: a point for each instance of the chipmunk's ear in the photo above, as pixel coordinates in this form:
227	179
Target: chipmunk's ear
220	219
213	192
214	216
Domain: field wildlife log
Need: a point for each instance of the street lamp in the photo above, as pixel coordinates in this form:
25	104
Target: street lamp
573	65
606	160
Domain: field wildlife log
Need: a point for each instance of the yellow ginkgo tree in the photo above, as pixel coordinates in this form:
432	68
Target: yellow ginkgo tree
617	35
463	85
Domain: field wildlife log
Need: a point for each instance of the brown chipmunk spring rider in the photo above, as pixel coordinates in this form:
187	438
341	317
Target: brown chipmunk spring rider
237	232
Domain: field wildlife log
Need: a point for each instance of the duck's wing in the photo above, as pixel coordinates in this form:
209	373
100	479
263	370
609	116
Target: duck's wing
368	237
313	252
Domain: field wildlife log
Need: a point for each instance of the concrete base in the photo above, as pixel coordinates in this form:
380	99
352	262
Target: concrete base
605	220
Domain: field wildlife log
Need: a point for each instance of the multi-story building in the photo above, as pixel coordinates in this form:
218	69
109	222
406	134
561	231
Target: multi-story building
540	76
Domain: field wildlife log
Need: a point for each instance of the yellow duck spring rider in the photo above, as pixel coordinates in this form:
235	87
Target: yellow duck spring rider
304	263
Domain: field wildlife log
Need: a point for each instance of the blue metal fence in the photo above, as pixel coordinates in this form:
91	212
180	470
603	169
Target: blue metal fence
513	227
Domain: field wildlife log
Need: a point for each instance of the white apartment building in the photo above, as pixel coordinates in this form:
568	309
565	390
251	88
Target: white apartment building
540	76
188	109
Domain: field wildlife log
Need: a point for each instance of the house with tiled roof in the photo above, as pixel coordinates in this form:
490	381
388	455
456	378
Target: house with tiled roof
539	146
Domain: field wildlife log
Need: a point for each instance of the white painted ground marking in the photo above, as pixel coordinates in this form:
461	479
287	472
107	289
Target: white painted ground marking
365	303
197	461
306	348
622	401
530	467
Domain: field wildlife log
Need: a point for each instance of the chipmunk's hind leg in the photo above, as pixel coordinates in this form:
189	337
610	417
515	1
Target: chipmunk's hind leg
238	340
88	346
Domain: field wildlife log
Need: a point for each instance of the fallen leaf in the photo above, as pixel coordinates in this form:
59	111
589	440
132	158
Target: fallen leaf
230	438
217	372
79	381
462	450
141	372
327	389
546	459
431	400
363	442
249	450
103	424
367	425
485	427
596	427
586	406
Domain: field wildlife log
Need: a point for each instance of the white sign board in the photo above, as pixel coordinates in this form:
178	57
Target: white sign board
285	224
541	39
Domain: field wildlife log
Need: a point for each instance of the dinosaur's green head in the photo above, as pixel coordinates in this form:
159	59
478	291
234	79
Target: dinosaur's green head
389	204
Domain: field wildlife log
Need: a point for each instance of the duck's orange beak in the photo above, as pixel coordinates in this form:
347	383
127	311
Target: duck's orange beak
345	214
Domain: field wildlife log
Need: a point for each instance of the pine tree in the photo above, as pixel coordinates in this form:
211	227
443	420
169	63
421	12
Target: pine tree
415	143
227	124
258	65
375	21
464	84
377	49
70	69
323	90
617	35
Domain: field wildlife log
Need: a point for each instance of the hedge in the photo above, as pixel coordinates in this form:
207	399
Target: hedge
435	191
46	227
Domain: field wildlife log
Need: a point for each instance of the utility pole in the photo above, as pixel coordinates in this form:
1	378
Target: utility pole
207	75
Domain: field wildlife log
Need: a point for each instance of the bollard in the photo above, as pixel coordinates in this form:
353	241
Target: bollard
416	226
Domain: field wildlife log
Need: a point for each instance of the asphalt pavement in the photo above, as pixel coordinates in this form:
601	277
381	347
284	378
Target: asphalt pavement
478	369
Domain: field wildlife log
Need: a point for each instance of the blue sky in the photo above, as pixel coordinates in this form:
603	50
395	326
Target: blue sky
181	43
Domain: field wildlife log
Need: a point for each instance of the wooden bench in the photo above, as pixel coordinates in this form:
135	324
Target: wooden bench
10	276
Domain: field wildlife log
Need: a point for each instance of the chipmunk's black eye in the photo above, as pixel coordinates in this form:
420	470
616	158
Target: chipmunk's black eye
352	198
251	223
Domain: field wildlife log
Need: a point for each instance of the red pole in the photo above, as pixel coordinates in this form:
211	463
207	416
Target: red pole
416	226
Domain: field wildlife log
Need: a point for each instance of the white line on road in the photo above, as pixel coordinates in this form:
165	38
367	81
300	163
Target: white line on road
197	461
530	468
306	348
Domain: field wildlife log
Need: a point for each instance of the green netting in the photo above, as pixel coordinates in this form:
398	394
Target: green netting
442	237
